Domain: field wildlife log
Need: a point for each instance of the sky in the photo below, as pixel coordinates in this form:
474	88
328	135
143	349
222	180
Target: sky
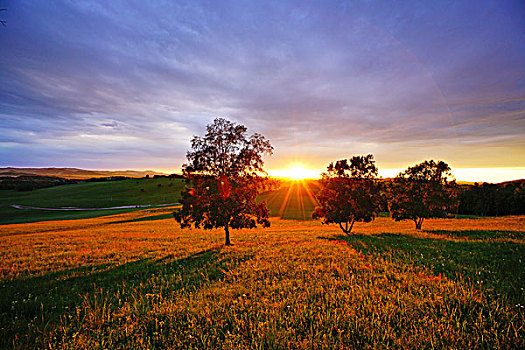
126	84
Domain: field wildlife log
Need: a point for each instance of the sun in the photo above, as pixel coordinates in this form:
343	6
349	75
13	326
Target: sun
295	172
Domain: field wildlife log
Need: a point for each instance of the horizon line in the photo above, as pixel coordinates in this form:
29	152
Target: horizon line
474	174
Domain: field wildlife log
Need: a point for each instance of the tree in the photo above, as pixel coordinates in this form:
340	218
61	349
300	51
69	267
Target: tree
423	191
223	178
507	198
349	192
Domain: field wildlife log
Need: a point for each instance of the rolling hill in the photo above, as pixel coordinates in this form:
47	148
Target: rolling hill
74	173
105	194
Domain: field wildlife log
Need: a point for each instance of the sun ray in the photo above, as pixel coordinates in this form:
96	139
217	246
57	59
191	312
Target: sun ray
286	198
300	200
274	195
309	194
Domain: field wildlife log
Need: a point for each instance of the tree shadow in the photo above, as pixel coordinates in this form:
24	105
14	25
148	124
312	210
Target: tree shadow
481	234
29	305
145	218
496	267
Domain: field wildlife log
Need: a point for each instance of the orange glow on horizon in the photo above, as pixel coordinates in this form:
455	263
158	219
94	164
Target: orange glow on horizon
295	172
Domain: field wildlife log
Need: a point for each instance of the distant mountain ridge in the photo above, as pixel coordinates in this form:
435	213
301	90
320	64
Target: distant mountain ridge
75	173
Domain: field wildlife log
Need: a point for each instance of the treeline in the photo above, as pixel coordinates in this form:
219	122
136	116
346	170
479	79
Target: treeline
35	182
31	182
170	176
107	178
507	198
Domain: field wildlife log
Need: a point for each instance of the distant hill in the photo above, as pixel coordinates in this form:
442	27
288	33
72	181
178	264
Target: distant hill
74	173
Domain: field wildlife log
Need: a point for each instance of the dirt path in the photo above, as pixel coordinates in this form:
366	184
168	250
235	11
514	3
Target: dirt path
25	207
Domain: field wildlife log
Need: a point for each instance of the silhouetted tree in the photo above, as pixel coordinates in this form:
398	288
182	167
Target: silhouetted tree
507	198
349	192
223	177
423	191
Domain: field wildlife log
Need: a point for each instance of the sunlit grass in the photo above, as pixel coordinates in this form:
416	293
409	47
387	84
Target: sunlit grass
294	200
136	280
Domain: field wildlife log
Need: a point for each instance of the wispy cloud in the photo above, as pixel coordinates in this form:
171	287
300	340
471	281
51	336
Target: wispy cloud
126	84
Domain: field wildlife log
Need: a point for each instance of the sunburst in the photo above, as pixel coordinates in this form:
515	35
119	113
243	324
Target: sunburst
295	172
296	194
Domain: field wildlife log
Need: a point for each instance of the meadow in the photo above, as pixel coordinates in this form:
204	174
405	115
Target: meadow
140	191
293	200
136	280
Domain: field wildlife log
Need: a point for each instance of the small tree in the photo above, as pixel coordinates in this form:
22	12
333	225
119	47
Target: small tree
423	191
223	178
349	193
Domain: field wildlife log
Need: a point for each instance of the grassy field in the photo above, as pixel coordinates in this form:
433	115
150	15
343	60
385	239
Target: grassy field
136	280
87	195
293	200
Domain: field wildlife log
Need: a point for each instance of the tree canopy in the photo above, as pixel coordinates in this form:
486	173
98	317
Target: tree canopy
423	191
223	176
349	192
226	150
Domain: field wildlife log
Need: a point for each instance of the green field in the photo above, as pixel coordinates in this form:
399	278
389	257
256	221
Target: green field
87	195
293	200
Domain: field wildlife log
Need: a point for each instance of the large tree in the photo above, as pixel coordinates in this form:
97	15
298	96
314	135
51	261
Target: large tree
425	190
223	177
349	192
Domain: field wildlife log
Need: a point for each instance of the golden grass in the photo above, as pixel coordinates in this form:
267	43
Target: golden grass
98	283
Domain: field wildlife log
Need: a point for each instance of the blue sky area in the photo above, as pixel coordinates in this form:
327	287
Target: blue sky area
125	84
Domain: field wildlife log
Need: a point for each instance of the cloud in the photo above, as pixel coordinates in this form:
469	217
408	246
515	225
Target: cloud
86	81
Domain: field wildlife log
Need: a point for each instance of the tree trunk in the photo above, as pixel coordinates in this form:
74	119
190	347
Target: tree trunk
418	222
347	229
227	232
351	226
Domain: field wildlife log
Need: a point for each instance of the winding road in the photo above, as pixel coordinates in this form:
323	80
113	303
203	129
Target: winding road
25	207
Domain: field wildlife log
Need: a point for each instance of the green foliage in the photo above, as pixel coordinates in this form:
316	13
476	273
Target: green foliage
223	177
349	192
227	150
493	199
208	205
422	191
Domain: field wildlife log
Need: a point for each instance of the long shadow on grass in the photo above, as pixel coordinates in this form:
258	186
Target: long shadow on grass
29	306
481	234
146	218
497	267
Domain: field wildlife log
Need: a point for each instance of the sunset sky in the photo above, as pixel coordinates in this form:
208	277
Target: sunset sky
125	84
